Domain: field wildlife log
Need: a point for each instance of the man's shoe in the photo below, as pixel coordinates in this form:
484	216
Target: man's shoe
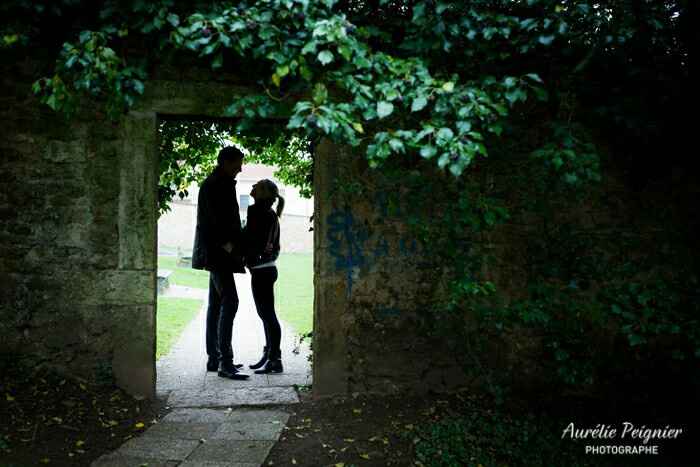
213	364
262	360
231	372
272	366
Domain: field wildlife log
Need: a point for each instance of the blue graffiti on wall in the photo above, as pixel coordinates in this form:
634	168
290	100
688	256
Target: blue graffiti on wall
353	247
347	243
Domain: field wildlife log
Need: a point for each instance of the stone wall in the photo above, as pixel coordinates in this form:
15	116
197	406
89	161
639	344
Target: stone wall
76	239
372	284
78	232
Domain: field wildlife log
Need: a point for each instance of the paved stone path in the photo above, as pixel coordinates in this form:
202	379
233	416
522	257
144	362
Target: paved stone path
217	422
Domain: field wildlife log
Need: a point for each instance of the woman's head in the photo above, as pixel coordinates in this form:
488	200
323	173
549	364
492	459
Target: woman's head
266	192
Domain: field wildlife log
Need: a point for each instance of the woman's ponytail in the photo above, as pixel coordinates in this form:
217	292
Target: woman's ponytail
280	205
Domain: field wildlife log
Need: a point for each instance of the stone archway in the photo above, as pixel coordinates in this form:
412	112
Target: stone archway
134	360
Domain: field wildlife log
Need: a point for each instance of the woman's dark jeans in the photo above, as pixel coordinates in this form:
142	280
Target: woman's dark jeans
262	282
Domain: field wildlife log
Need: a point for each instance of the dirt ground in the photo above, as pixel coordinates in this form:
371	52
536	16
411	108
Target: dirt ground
349	431
46	419
464	429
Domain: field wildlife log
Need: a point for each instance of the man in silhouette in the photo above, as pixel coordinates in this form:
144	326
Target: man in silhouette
218	249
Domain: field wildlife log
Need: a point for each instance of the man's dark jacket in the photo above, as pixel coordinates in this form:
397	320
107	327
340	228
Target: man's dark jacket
218	222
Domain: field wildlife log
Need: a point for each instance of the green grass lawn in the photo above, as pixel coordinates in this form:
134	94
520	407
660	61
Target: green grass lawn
186	277
173	315
294	291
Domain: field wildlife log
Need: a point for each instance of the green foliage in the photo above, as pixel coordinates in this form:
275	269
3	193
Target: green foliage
578	302
430	78
188	151
496	439
571	158
290	154
313	46
647	311
95	70
438	80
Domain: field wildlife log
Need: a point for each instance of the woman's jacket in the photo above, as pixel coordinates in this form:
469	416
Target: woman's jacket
262	228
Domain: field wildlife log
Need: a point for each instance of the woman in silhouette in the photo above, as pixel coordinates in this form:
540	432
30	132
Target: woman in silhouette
262	237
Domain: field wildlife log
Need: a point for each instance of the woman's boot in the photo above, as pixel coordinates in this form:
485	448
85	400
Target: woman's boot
272	366
262	360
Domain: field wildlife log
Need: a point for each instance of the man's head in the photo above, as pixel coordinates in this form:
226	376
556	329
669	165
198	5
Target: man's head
230	160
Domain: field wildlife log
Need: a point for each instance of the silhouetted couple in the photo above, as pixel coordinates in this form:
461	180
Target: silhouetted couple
223	248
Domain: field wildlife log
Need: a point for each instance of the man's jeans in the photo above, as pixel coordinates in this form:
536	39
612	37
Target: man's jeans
223	304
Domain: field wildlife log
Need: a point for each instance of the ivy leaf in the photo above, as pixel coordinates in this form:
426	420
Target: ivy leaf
295	122
384	109
428	152
419	103
174	20
282	71
418	11
138	86
545	40
534	77
464	126
445	134
396	145
310	47
448	86
509	82
636	339
52	102
325	57
320	93
358	127
218	61
516	95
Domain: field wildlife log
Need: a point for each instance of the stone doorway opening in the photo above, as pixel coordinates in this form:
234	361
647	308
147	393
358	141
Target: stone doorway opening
182	300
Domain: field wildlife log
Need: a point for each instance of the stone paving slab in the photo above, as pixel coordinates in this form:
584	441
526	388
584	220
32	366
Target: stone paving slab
288	379
253	452
184	430
197	416
218	464
234	397
203	437
248	431
154	447
253	425
272	416
214	382
117	459
212	423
